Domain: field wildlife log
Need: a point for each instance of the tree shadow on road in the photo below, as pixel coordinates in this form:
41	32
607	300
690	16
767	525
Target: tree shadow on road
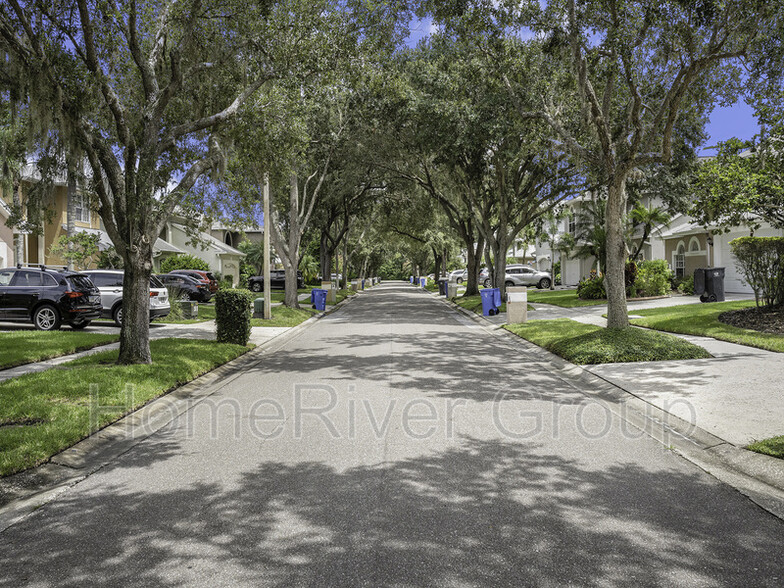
485	513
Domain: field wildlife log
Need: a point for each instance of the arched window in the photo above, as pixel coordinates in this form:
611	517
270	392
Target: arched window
694	245
680	260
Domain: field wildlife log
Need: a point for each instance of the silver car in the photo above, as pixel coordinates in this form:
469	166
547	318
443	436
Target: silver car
525	275
110	283
459	275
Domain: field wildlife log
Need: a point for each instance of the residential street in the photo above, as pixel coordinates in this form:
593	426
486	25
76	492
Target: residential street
397	443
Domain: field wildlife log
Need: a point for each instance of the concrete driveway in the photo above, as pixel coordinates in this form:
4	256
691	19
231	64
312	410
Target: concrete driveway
397	443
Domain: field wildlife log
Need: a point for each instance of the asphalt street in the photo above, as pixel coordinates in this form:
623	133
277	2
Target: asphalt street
397	443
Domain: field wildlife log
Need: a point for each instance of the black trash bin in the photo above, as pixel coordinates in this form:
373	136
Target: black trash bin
699	281
442	286
714	285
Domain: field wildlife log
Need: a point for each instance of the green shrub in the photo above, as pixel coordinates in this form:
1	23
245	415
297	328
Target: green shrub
685	285
761	261
233	313
183	262
653	278
591	288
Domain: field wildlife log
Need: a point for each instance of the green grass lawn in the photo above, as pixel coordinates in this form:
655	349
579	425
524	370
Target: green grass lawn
474	303
283	316
20	347
41	414
589	344
773	447
563	298
702	319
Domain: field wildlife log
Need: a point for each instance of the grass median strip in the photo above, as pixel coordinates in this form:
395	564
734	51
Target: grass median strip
773	447
589	344
703	320
283	316
21	347
41	414
474	303
563	298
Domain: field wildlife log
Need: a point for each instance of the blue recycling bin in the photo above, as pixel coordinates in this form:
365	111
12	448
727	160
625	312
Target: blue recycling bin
319	298
422	282
491	301
363	284
411	279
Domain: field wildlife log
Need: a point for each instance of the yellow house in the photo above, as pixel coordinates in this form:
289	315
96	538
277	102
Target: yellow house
36	247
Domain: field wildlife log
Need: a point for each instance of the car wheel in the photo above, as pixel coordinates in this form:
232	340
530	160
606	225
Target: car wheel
79	325
46	318
459	280
256	287
508	283
486	283
117	315
544	283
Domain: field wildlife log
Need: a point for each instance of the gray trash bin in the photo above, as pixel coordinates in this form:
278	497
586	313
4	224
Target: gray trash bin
699	281
714	285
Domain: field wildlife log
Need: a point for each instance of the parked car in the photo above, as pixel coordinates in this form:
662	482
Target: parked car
48	298
189	288
110	284
524	275
458	275
277	281
208	278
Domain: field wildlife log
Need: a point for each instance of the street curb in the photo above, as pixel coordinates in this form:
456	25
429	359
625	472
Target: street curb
37	486
758	477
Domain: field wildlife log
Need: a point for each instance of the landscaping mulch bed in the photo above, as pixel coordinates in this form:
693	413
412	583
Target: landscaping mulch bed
765	319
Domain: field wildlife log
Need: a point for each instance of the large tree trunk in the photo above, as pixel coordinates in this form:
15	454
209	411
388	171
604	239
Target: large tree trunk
474	252
614	282
135	332
70	222
19	252
325	257
344	279
292	254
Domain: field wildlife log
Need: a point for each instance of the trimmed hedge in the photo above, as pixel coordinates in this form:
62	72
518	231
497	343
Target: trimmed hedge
183	262
761	261
233	313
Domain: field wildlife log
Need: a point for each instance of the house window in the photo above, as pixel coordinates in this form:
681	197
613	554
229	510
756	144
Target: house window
81	207
680	260
694	245
572	225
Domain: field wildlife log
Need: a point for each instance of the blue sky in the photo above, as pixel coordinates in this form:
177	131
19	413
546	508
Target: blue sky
725	122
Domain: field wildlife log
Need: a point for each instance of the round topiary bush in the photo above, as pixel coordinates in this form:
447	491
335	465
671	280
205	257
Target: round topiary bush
233	313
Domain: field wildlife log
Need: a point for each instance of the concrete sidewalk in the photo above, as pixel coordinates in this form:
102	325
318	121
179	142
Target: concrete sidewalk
737	395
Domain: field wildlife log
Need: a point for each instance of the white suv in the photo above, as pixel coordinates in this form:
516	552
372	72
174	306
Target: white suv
110	283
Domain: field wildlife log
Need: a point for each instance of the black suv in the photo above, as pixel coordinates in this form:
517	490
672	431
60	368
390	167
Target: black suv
277	281
48	297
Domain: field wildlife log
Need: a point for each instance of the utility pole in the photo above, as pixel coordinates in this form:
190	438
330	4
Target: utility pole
267	280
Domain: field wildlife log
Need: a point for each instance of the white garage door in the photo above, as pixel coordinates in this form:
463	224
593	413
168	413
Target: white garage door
733	279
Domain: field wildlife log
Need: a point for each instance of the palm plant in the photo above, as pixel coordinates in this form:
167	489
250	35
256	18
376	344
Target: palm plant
590	235
309	266
254	254
649	218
